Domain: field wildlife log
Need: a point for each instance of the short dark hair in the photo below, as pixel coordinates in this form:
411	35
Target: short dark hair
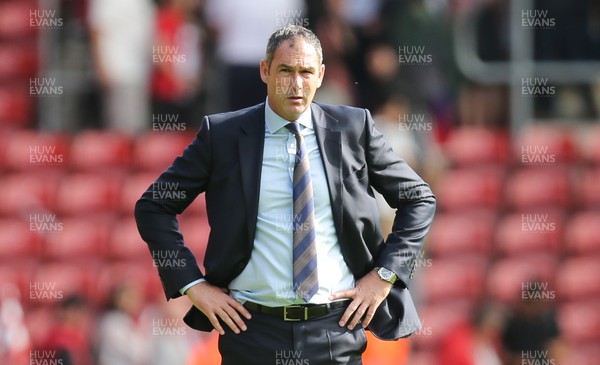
292	32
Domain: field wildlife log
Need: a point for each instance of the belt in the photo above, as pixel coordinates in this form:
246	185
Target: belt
297	312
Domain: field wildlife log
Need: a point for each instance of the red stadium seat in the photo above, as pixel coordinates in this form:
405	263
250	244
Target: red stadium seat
456	278
577	278
543	187
18	61
461	233
95	150
15	276
87	193
508	279
543	145
133	187
29	150
531	232
195	230
125	242
588	188
580	321
583	232
18	239
78	238
25	193
156	151
15	19
469	188
54	281
475	145
16	106
111	275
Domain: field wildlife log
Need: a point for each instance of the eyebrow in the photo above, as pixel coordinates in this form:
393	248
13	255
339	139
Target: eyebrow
302	68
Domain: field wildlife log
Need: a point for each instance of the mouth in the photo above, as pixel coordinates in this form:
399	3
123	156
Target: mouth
295	98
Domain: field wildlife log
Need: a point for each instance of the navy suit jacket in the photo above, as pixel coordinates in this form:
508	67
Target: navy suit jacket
224	162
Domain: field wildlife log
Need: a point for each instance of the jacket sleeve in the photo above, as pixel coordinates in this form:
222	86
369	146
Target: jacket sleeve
406	192
155	213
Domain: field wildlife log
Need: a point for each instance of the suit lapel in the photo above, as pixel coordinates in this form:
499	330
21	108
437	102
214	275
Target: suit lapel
330	146
251	146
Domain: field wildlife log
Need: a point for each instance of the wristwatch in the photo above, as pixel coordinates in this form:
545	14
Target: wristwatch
386	275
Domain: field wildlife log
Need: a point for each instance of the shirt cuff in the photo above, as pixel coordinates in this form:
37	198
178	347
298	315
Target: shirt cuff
185	288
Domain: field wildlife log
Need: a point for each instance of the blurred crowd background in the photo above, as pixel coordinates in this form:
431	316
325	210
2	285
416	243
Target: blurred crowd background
496	103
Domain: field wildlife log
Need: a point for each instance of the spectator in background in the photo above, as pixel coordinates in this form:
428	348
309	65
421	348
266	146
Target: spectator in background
241	28
339	49
532	331
122	340
177	58
121	36
68	340
15	340
475	342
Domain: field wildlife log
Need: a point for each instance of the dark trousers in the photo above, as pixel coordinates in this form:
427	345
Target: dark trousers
270	340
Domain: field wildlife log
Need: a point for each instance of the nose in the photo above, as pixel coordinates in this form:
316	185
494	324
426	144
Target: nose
297	81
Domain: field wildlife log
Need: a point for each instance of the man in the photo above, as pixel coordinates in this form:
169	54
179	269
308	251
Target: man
296	265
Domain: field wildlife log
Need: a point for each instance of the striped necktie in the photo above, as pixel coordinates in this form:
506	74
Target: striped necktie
305	251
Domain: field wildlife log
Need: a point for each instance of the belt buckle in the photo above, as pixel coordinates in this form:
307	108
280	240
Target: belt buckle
285	309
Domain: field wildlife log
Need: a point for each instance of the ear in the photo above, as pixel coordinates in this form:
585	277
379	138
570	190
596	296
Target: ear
321	74
264	71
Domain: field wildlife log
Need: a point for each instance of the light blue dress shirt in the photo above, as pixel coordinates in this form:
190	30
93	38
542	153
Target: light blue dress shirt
268	277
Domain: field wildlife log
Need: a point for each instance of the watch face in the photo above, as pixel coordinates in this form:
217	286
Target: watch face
385	274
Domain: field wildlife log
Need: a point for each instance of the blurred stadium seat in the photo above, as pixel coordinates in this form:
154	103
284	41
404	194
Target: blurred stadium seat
125	243
96	150
134	185
16	274
582	234
18	60
461	233
578	278
87	193
539	187
531	232
25	193
156	151
539	144
30	150
53	281
78	238
18	240
195	230
454	278
469	188
588	188
15	19
16	107
477	145
580	321
508	277
113	274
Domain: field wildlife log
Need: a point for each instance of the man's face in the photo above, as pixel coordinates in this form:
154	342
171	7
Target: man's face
293	78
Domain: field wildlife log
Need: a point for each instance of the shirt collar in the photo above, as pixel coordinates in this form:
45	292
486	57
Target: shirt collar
274	122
